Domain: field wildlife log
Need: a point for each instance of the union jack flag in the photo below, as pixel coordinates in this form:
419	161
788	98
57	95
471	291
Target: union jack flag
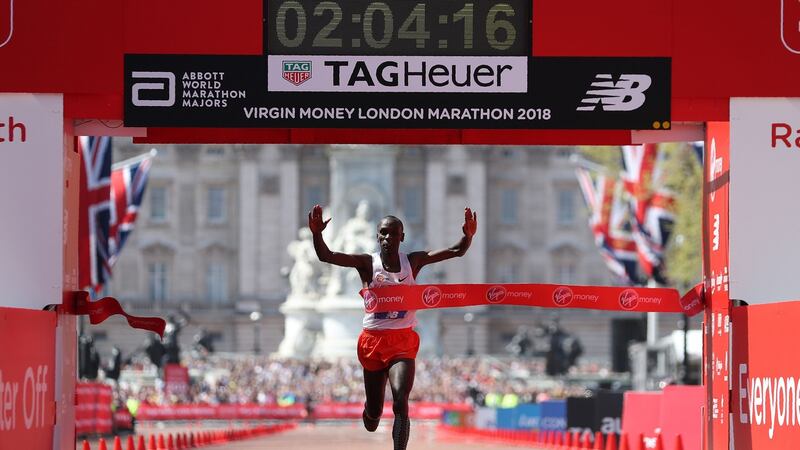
610	222
95	210
651	203
109	202
128	183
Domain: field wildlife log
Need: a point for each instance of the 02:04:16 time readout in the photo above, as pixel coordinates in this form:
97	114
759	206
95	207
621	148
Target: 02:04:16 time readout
371	27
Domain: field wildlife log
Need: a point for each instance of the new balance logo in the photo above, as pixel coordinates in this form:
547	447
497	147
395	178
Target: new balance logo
625	94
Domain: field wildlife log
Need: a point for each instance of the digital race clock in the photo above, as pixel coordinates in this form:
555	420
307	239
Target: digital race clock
405	27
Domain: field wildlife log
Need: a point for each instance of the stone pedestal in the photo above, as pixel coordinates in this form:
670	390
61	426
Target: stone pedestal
341	319
302	327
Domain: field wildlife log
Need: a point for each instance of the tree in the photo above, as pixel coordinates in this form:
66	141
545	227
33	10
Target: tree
684	252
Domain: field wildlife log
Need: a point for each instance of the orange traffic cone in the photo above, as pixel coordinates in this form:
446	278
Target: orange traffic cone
611	442
151	444
170	443
130	443
86	445
623	442
161	445
640	444
598	441
586	440
659	442
102	445
140	443
678	442
117	443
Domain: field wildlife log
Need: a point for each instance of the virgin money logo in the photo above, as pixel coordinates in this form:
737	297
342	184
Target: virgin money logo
370	301
495	294
6	21
431	296
628	299
562	296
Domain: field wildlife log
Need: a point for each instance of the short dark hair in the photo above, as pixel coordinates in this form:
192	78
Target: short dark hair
391	218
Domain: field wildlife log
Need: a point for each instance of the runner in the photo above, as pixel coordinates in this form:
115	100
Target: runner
388	344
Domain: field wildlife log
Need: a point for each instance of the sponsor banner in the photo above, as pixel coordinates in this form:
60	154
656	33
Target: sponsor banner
766	377
32	183
689	402
123	419
608	412
27	377
485	418
764	218
580	413
93	413
236	91
176	380
641	415
528	416
298	411
553	415
716	324
506	419
476	74
402	298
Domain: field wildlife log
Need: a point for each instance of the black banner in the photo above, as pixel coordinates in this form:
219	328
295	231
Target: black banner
580	413
608	412
232	91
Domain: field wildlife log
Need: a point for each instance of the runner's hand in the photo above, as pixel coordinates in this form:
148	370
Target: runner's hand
315	223
470	222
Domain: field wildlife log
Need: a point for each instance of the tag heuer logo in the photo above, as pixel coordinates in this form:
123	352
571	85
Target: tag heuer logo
296	72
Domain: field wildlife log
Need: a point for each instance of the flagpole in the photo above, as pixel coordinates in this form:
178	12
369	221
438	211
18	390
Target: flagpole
151	154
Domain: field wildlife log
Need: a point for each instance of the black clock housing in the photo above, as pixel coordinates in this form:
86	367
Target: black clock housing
398	27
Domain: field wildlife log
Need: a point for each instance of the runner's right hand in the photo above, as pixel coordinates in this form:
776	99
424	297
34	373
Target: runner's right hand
315	223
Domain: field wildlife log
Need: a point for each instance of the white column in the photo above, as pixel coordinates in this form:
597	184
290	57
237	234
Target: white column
248	227
476	199
290	199
436	178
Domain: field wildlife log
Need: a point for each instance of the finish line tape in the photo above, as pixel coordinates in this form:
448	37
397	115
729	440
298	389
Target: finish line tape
609	298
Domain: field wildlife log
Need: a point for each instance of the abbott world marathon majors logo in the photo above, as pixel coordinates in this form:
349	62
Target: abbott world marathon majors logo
496	294
198	89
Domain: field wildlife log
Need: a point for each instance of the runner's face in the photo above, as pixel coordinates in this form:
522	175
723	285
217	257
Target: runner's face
390	234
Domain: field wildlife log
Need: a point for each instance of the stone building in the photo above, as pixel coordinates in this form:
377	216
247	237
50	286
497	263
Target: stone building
212	236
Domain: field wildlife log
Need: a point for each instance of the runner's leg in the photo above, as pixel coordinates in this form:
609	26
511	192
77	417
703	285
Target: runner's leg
401	379
375	387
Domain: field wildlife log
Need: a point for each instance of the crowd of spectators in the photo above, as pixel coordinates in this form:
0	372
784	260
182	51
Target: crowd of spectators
221	379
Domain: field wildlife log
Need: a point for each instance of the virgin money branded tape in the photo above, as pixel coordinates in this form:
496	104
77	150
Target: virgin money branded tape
401	298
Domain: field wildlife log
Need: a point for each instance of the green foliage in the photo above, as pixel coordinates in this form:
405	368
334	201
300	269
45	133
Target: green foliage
684	176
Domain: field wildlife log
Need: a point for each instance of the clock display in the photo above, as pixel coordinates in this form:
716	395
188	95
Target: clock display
406	27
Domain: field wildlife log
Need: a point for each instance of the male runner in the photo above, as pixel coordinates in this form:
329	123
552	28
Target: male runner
388	344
